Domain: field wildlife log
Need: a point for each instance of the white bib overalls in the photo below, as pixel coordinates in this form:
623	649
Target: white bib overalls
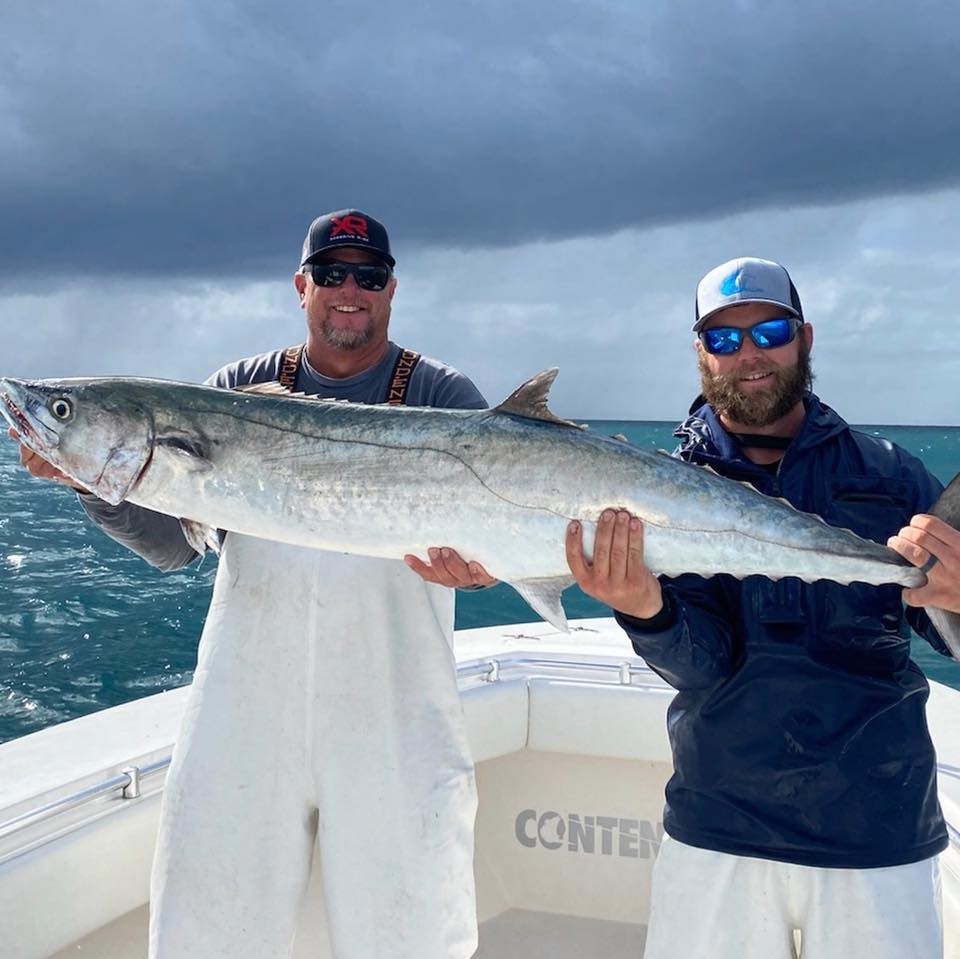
324	712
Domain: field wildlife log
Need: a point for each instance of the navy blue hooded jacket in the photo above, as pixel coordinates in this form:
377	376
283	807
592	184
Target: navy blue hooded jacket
799	729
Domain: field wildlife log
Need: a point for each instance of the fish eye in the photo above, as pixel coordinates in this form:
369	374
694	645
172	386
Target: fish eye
61	408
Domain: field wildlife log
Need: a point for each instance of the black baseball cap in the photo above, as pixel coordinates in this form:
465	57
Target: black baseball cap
349	228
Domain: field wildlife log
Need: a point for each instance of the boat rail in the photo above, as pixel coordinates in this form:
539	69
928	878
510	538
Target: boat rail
49	816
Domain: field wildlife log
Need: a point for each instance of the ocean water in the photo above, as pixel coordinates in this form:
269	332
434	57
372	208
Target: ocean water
85	624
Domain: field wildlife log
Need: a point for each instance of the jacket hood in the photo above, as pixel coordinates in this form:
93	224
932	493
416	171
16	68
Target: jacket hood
702	436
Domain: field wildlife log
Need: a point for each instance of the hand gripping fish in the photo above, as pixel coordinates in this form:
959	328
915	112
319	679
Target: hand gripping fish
497	485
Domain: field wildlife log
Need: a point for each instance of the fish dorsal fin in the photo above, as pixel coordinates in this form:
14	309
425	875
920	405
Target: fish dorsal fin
276	389
530	400
269	388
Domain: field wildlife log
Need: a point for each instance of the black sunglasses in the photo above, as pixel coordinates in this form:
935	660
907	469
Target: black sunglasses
767	335
368	276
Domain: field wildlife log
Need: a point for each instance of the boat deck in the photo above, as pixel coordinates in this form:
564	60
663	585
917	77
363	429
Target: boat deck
516	934
527	934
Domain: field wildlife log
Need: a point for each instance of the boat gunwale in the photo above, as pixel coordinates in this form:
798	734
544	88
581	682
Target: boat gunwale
75	804
50	815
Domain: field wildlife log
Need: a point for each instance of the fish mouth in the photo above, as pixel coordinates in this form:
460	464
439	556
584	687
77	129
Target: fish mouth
16	417
14	410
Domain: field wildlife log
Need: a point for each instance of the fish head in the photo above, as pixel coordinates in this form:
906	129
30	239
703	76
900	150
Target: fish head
92	430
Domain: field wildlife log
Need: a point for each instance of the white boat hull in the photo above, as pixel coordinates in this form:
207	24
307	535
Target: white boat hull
569	738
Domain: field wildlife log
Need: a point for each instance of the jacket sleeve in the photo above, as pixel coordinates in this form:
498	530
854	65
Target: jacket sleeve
155	537
920	623
690	643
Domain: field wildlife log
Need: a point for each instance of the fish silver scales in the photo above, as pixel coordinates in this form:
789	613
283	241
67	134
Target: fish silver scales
499	486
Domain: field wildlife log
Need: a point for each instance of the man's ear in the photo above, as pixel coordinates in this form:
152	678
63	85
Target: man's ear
300	282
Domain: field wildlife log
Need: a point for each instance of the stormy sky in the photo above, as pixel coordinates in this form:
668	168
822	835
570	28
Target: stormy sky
556	176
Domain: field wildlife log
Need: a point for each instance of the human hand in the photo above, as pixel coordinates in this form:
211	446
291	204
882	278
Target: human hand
448	568
928	536
618	575
37	466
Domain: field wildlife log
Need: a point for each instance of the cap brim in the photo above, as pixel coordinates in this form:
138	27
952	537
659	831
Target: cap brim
698	326
389	260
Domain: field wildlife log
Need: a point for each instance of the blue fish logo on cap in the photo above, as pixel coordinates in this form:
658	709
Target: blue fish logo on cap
735	283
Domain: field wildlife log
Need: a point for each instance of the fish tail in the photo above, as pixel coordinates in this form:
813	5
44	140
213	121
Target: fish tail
947	623
947	507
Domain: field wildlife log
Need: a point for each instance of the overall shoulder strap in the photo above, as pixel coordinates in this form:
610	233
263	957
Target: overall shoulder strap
400	380
292	357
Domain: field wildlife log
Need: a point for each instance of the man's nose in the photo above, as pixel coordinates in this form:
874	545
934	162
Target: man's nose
748	348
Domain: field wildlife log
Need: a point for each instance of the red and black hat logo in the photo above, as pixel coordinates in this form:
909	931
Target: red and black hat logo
352	225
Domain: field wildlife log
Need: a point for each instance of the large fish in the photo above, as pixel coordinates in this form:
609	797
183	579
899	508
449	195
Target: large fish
498	485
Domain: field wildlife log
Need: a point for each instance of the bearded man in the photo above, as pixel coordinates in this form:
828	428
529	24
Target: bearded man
802	812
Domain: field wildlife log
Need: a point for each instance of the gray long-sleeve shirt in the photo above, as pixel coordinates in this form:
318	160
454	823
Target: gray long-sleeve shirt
159	538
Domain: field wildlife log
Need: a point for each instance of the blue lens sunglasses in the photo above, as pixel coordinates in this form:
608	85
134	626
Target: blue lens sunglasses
766	335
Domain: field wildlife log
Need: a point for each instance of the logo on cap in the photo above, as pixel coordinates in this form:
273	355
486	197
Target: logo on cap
349	225
735	283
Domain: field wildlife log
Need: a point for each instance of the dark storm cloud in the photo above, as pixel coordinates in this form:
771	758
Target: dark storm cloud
194	138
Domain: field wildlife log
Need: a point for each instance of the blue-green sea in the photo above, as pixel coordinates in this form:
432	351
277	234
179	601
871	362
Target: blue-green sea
85	625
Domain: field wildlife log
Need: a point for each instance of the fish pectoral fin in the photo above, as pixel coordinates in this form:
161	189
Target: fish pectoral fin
544	597
200	536
192	448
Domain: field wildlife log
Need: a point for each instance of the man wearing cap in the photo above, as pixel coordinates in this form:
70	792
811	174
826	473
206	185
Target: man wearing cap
803	802
324	713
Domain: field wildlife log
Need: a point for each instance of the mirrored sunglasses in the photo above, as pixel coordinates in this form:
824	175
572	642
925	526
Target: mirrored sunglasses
766	335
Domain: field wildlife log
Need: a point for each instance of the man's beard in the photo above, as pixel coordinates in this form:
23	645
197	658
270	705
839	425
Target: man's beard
341	339
758	407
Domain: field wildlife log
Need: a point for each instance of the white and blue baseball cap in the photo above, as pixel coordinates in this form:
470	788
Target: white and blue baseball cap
745	280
